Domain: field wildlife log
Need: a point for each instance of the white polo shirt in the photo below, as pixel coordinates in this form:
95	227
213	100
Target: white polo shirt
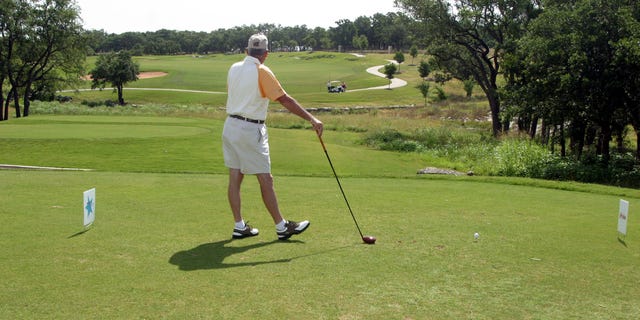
250	86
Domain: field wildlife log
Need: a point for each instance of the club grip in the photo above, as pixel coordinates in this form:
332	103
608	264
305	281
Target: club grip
322	143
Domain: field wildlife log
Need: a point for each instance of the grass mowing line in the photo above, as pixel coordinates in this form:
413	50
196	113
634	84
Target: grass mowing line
21	167
97	131
160	248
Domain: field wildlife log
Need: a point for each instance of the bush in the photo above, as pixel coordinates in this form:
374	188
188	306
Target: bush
521	157
93	104
440	140
623	170
440	94
391	140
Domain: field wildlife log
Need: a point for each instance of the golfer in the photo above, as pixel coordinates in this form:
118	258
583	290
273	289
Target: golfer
251	85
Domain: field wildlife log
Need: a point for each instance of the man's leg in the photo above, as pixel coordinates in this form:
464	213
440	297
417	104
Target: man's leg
241	230
233	193
284	229
269	196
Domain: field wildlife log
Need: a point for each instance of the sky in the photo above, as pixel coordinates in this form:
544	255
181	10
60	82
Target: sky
118	16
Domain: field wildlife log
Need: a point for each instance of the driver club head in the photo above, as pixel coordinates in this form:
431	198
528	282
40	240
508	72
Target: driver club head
369	239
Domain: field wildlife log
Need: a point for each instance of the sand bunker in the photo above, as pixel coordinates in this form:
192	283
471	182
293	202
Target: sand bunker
141	75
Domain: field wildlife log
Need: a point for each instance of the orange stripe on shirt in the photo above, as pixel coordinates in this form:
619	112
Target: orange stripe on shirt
269	86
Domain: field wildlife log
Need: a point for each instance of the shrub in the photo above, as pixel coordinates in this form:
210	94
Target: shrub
440	94
623	170
521	157
441	139
391	140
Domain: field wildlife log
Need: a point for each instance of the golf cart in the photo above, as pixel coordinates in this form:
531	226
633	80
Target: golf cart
336	86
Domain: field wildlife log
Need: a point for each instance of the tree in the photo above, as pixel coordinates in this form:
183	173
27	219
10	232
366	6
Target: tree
389	70
413	51
7	9
424	90
41	46
469	37
343	34
424	69
577	68
399	57
364	28
468	86
116	69
360	42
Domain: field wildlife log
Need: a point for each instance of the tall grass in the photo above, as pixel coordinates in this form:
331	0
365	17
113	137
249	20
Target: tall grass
518	157
466	150
462	149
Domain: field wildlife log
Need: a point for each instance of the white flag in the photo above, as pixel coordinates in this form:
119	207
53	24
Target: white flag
623	216
89	205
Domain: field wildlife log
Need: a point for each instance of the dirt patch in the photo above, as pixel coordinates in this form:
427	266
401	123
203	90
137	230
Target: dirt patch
151	74
141	75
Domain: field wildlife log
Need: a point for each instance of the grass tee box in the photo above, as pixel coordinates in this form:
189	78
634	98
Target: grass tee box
162	248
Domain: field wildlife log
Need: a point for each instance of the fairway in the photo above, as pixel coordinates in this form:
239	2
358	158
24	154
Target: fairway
198	81
161	244
87	131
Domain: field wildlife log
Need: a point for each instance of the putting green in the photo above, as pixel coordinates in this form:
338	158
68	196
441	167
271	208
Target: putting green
95	131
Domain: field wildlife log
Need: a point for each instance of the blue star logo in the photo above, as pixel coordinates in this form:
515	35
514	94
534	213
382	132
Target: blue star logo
89	207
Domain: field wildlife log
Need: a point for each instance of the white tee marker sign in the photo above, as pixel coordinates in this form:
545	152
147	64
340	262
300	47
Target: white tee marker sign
89	205
623	217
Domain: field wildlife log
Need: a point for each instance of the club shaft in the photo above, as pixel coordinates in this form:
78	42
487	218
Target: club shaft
340	186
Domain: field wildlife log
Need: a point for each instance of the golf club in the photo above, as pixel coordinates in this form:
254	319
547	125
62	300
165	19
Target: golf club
366	239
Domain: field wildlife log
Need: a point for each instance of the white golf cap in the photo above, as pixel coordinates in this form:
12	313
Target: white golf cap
258	41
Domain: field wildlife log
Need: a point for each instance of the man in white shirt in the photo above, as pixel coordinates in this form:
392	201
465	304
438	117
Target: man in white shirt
251	85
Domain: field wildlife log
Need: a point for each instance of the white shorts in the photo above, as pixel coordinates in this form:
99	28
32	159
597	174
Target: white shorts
245	146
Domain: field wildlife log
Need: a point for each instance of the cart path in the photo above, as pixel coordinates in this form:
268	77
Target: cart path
395	82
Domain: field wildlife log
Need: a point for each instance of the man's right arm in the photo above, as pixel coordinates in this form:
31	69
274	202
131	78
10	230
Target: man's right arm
294	107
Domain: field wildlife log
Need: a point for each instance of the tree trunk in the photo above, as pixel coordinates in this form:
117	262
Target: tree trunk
605	138
577	138
4	113
552	139
494	105
26	101
16	101
620	141
120	98
544	132
635	123
637	144
534	127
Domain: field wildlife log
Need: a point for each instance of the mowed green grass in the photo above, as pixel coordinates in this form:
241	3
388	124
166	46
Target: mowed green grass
304	75
161	248
190	145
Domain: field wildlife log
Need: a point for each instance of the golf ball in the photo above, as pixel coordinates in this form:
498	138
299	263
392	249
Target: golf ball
476	236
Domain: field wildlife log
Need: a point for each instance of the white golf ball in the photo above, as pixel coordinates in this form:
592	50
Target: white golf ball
476	236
